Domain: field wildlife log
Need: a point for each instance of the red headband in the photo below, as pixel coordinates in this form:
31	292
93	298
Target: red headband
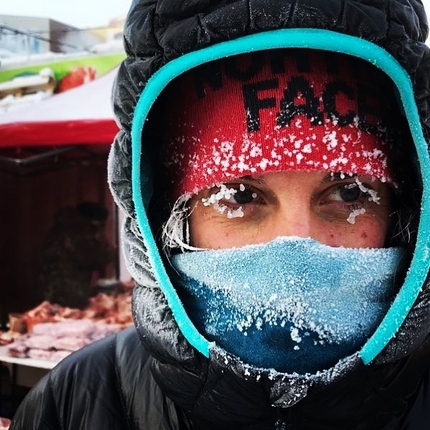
275	111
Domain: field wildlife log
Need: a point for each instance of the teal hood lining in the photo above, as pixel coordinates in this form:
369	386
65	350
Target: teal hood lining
287	38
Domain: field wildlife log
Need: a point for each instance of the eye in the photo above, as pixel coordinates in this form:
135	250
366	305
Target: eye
349	192
244	195
231	194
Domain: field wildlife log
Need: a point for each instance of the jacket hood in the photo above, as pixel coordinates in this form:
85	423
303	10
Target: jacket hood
164	39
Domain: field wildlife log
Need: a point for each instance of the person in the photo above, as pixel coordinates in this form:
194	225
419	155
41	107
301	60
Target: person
74	249
273	170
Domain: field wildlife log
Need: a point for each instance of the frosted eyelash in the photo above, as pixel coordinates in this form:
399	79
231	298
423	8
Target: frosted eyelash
175	233
224	193
373	195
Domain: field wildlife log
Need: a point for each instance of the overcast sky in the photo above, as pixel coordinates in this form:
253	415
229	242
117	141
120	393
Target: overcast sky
79	13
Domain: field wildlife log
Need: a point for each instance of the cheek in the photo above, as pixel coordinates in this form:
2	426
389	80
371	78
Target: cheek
365	233
369	236
368	230
205	230
372	233
374	228
198	228
211	230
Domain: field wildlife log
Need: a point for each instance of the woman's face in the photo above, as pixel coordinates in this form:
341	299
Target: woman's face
334	209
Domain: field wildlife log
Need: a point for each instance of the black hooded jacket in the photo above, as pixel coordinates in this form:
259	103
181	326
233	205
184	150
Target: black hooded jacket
159	376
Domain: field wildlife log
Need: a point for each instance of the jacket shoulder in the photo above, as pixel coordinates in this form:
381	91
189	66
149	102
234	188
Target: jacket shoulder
90	389
418	417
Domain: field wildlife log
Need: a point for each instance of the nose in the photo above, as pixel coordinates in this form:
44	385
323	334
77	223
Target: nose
295	219
300	220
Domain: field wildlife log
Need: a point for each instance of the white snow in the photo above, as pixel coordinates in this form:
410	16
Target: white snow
354	214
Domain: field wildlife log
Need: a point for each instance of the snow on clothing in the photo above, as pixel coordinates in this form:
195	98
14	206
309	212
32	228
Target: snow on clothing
177	379
276	314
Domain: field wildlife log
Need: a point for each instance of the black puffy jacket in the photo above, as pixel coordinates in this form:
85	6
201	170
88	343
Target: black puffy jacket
166	375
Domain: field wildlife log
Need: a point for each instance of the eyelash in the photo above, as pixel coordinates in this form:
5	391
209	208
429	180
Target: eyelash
365	194
246	191
234	190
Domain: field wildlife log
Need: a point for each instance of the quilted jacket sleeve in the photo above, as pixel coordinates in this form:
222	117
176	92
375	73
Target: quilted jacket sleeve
105	386
38	411
78	394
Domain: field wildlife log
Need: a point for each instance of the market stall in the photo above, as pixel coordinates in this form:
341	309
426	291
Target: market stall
81	116
53	164
53	157
39	338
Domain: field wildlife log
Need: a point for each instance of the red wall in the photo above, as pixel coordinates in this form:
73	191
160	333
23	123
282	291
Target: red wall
30	196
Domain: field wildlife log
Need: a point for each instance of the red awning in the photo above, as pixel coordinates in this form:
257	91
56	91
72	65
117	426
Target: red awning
80	116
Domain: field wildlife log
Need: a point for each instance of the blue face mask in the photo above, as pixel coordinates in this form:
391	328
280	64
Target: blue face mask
292	304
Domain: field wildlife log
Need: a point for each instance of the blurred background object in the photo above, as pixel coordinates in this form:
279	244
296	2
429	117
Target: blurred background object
75	254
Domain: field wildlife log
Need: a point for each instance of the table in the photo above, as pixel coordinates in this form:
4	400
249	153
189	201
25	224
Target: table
29	362
25	372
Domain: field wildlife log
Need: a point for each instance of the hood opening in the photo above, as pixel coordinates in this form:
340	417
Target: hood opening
142	158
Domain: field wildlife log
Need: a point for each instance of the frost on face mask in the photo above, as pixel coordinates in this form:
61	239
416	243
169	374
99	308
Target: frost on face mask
224	193
300	313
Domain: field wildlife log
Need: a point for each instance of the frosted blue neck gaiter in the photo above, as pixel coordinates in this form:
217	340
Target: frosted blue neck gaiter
292	304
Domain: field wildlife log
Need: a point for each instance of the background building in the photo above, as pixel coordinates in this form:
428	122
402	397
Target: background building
23	35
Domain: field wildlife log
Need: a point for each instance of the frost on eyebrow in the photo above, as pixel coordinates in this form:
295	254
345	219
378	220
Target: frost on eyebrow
224	193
